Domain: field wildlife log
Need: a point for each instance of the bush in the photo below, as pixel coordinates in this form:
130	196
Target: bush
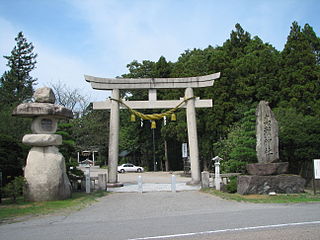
299	139
231	187
15	188
72	171
233	166
238	148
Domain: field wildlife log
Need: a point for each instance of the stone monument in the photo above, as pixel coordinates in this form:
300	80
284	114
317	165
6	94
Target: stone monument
267	134
269	174
45	169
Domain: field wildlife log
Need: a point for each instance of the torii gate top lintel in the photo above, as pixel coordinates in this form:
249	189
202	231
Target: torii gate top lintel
151	83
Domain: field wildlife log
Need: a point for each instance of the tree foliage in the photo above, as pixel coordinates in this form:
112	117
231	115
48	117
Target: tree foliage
299	137
300	72
12	157
16	85
238	148
91	132
15	188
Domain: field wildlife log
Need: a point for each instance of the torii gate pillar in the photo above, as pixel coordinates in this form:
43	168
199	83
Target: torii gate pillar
114	141
192	138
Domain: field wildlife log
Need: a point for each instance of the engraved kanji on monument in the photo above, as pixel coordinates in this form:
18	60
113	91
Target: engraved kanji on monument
267	134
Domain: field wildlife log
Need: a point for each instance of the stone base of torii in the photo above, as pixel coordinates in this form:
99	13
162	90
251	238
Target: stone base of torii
152	84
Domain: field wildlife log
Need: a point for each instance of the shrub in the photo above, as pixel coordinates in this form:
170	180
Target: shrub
238	148
233	166
15	188
72	171
231	187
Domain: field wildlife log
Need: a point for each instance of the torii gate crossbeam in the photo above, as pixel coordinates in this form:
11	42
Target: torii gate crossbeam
152	84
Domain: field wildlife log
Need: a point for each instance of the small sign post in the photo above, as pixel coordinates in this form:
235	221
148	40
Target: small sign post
316	173
173	183
184	150
140	189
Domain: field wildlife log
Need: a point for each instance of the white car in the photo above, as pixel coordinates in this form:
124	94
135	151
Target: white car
128	167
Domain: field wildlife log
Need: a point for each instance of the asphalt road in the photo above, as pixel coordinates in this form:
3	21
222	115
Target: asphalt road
166	215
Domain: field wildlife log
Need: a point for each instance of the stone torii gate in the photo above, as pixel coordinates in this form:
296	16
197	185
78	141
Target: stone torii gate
152	84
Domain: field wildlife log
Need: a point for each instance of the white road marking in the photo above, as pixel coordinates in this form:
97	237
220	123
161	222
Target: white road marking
228	230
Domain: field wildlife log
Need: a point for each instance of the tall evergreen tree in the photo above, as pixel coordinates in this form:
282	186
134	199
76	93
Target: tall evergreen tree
163	68
16	84
239	39
300	73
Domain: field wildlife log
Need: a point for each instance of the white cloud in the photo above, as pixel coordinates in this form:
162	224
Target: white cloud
54	66
124	31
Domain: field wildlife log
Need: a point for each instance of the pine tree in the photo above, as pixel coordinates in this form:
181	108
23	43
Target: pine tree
300	74
239	39
162	68
16	84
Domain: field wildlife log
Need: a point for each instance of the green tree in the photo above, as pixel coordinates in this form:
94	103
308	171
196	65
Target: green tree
133	136
238	148
16	84
163	68
15	188
68	143
299	139
300	71
238	41
12	157
91	132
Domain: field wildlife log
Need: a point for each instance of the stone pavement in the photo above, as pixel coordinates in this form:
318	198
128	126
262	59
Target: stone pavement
152	181
154	187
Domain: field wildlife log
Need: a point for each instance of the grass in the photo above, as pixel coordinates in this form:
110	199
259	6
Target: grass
13	211
279	198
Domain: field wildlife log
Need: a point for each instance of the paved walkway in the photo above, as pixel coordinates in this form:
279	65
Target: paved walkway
151	181
154	187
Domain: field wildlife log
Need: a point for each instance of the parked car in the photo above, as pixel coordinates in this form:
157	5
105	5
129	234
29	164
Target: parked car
128	167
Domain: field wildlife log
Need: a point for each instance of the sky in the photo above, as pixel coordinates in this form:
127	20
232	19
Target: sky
100	37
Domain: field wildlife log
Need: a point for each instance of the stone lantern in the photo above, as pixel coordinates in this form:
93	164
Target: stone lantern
217	178
45	169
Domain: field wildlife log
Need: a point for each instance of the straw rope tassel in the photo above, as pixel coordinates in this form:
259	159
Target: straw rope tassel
133	117
155	116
